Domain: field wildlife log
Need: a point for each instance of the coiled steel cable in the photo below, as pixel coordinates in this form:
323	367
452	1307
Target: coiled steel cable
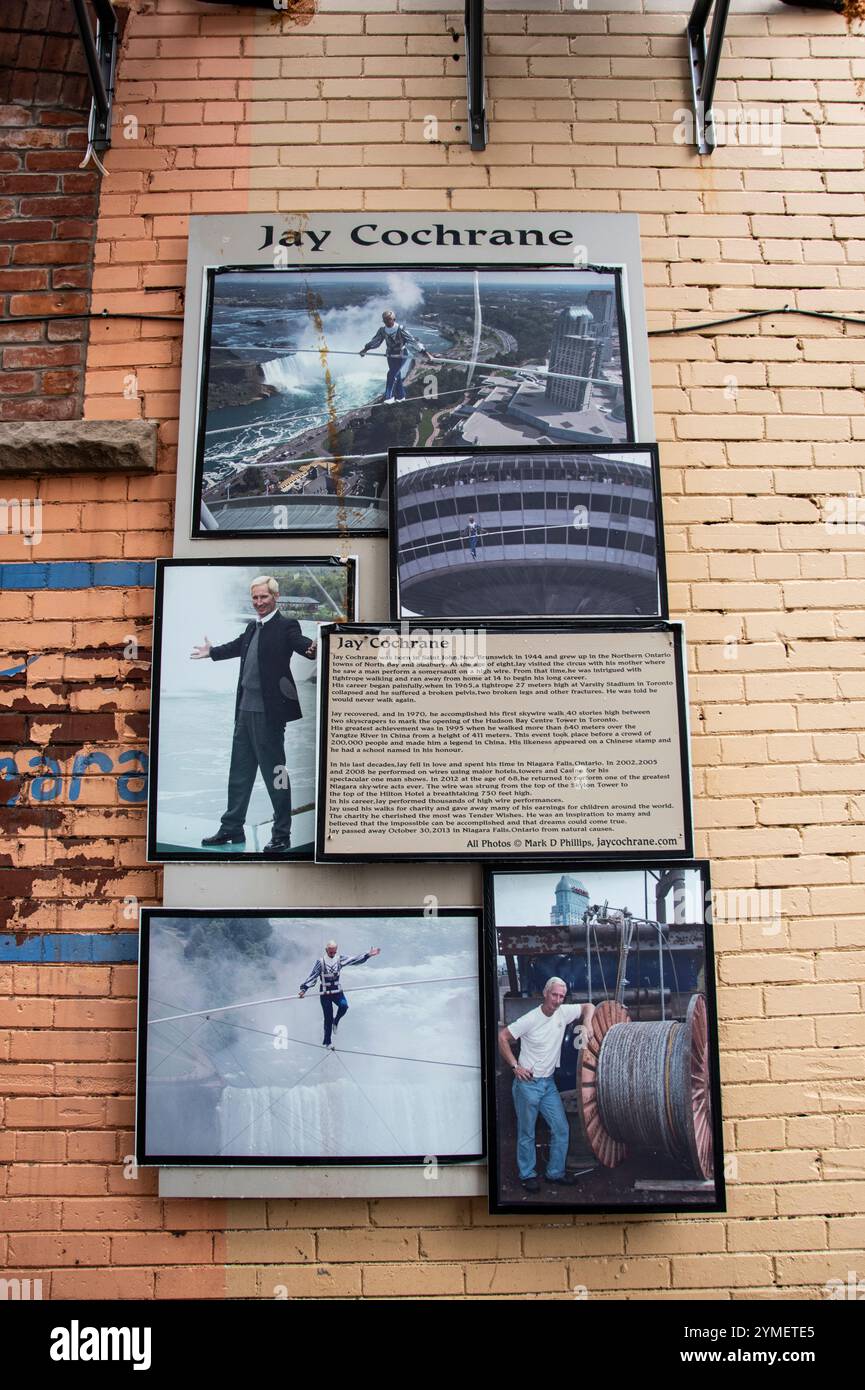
642	1086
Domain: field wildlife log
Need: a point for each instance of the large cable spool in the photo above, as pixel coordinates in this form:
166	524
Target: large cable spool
646	1086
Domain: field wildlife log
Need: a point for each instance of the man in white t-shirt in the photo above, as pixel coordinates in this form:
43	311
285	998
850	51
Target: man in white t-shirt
540	1033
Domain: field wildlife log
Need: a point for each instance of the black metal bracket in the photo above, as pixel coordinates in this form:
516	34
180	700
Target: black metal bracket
475	84
100	53
704	67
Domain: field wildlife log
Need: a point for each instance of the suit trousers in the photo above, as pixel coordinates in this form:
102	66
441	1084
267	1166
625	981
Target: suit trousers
258	746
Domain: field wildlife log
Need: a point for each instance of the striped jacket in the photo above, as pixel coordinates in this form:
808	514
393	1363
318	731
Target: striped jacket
326	970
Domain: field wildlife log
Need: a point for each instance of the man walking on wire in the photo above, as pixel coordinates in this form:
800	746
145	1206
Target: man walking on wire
400	345
327	971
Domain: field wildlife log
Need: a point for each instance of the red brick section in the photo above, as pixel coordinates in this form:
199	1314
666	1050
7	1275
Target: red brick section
71	1202
47	211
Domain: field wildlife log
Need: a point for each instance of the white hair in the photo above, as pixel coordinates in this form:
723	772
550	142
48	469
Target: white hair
268	579
554	980
328	944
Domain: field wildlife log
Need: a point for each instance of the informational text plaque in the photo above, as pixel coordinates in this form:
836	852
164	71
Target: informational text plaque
502	740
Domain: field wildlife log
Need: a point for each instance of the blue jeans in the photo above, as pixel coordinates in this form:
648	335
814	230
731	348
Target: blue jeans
327	1006
395	375
530	1098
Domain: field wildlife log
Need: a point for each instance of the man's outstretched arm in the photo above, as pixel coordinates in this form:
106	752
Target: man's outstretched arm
373	342
362	958
303	646
310	979
414	342
227	650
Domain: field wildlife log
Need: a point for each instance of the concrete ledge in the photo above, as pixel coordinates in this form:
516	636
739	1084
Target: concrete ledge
78	446
452	1180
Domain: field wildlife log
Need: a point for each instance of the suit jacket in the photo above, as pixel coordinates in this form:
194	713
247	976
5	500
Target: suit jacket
280	638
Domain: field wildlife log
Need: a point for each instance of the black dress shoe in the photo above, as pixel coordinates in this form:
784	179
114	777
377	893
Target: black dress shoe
566	1181
225	837
530	1184
277	846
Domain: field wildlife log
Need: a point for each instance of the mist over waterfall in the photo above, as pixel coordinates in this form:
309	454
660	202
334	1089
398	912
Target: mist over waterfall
283	374
340	333
317	1120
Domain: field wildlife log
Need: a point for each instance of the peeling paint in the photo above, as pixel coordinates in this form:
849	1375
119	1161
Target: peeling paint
313	306
298	13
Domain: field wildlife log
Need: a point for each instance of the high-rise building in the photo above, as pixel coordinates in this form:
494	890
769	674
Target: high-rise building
601	304
571	902
575	357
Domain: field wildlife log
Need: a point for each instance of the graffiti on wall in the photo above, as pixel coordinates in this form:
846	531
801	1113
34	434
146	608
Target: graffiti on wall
51	784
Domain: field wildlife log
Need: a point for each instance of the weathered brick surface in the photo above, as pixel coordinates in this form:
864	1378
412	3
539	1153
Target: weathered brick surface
47	211
761	429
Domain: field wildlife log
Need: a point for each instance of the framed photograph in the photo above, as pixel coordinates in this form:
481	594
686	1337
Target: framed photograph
574	531
315	1037
234	704
508	740
602	1038
309	375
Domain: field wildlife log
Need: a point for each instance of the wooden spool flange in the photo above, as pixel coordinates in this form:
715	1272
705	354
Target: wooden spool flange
698	1088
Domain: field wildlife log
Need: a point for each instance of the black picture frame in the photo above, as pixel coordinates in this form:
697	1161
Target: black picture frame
503	1191
148	915
482	853
575	451
160	854
200	532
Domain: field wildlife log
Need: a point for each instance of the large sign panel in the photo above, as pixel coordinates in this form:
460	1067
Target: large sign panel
315	344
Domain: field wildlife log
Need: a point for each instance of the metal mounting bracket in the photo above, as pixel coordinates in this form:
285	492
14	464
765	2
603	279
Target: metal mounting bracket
475	74
704	67
100	53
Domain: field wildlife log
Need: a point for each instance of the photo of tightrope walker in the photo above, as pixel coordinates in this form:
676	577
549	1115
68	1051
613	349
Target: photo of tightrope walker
308	375
309	1037
566	531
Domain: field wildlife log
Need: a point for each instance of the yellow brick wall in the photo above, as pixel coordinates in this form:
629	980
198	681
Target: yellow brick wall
761	425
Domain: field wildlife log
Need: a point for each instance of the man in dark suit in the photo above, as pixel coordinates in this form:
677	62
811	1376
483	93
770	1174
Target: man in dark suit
266	701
